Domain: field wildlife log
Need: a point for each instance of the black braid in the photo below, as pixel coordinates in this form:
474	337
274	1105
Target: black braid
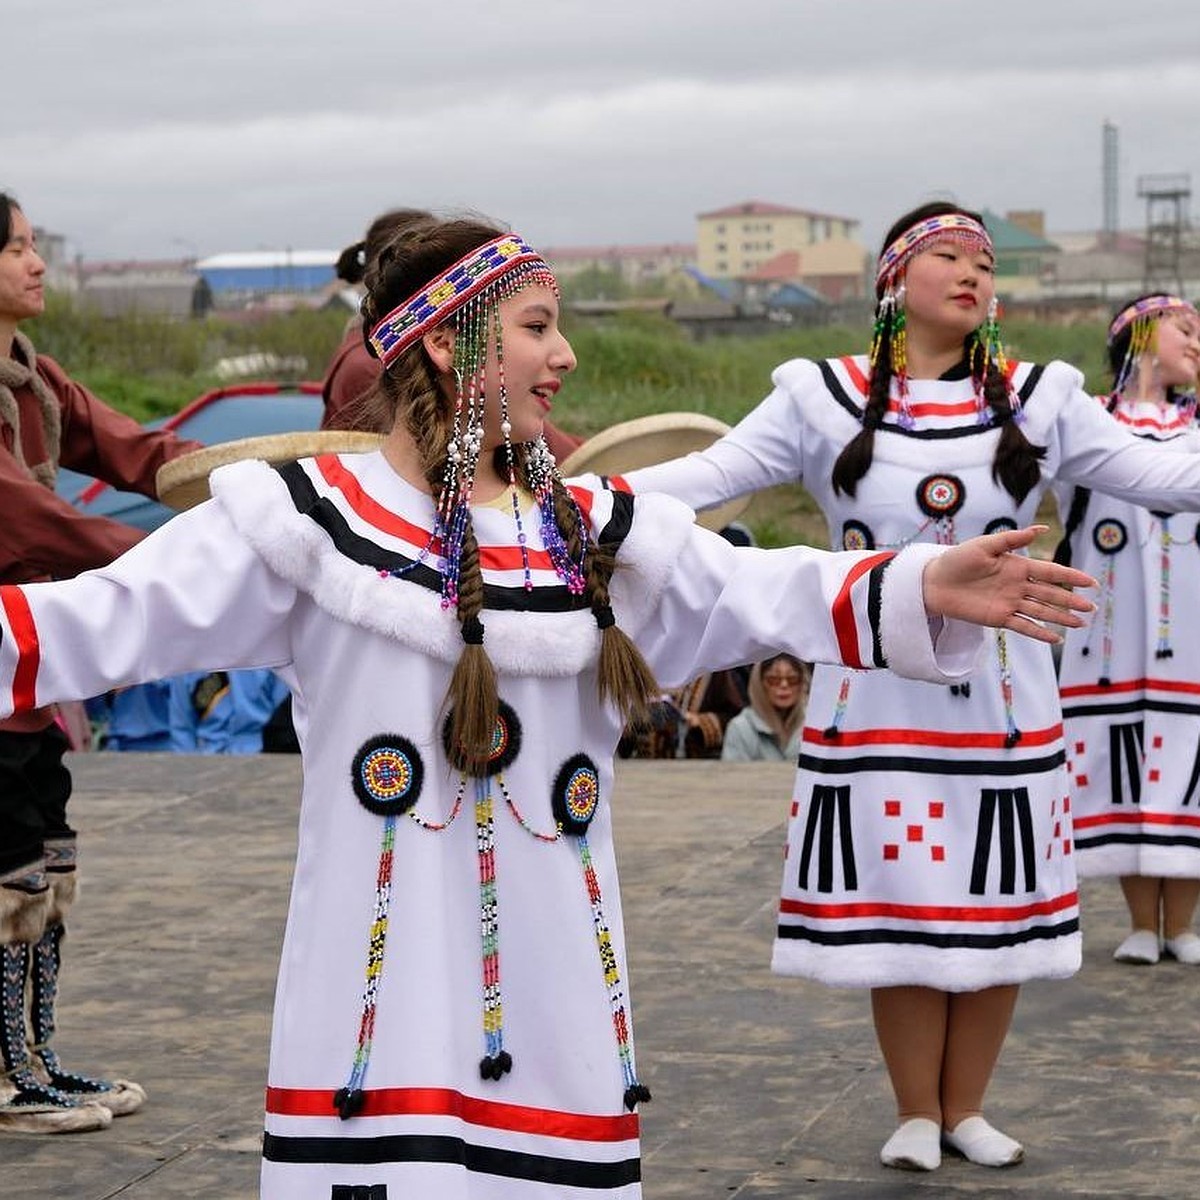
1015	466
856	456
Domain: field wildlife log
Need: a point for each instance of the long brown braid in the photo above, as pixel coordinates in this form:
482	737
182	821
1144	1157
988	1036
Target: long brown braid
624	677
1015	465
410	390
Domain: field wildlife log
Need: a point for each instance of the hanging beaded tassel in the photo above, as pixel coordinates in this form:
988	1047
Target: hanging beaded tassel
496	1060
1163	650
349	1100
1013	736
1106	639
542	474
899	353
574	801
834	728
634	1091
1141	341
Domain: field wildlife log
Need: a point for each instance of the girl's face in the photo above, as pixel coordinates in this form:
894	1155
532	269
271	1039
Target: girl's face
948	287
536	357
1179	350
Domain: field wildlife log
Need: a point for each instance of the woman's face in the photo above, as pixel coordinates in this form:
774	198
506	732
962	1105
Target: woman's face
782	683
1179	350
948	287
536	357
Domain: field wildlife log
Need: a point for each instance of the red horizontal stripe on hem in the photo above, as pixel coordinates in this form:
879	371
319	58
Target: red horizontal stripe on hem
495	558
1137	818
929	737
29	654
928	912
445	1102
1131	685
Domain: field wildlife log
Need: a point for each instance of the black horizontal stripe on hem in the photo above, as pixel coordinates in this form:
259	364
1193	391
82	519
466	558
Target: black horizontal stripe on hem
426	1148
1131	706
917	937
929	766
323	512
1091	841
856	410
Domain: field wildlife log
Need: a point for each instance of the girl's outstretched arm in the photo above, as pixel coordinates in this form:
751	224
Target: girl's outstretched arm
985	582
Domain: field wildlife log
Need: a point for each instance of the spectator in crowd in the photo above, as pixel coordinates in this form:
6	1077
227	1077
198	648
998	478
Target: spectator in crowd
768	728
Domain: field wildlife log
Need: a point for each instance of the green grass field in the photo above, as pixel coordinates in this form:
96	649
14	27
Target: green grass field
628	367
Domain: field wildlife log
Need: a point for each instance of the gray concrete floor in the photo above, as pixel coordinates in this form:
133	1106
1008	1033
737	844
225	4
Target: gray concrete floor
764	1087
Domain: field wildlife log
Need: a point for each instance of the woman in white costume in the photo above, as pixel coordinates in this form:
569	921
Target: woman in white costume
929	845
451	1016
1130	684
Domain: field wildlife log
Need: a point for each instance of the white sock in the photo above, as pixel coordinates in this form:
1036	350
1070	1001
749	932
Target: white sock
980	1142
915	1146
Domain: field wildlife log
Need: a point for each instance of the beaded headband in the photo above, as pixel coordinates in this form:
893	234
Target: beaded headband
1148	308
442	297
958	226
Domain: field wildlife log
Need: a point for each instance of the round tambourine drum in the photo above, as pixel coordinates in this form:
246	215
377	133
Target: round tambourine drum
183	482
648	441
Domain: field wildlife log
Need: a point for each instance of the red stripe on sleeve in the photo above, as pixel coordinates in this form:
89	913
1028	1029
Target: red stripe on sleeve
844	624
20	621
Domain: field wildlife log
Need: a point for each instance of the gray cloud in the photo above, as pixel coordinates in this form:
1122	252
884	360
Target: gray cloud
153	128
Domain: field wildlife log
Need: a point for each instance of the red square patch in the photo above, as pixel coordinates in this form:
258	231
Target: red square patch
937	853
915	833
891	808
890	852
937	810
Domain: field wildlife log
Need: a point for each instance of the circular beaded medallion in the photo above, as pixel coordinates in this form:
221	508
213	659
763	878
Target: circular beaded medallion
857	536
576	794
387	774
506	743
1109	536
940	495
1000	525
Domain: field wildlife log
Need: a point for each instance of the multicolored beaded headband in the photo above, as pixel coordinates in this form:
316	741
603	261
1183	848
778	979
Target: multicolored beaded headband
438	300
1148	308
958	226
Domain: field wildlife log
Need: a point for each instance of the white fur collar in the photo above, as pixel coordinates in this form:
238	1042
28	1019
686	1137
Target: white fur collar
518	643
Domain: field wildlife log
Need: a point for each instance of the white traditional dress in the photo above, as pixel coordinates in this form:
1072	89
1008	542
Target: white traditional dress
438	923
1130	683
929	841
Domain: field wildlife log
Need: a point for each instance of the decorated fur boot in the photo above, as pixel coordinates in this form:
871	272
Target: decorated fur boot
27	1104
119	1096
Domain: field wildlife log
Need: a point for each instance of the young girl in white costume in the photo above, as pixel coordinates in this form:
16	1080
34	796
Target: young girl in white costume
929	845
452	1013
1130	685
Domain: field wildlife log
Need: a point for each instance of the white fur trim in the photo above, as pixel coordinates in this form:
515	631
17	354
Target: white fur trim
518	643
905	633
868	966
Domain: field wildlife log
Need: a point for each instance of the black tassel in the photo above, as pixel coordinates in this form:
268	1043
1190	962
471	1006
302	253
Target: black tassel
832	732
635	1094
1104	681
349	1102
1012	738
495	1066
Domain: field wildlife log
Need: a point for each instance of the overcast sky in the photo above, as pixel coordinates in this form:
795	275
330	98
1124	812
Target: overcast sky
151	128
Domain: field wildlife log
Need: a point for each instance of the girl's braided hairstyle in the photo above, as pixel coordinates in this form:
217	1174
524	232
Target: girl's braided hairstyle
1015	465
421	400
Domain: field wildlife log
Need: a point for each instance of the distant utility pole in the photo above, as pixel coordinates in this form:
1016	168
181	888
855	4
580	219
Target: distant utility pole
1109	176
1167	218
